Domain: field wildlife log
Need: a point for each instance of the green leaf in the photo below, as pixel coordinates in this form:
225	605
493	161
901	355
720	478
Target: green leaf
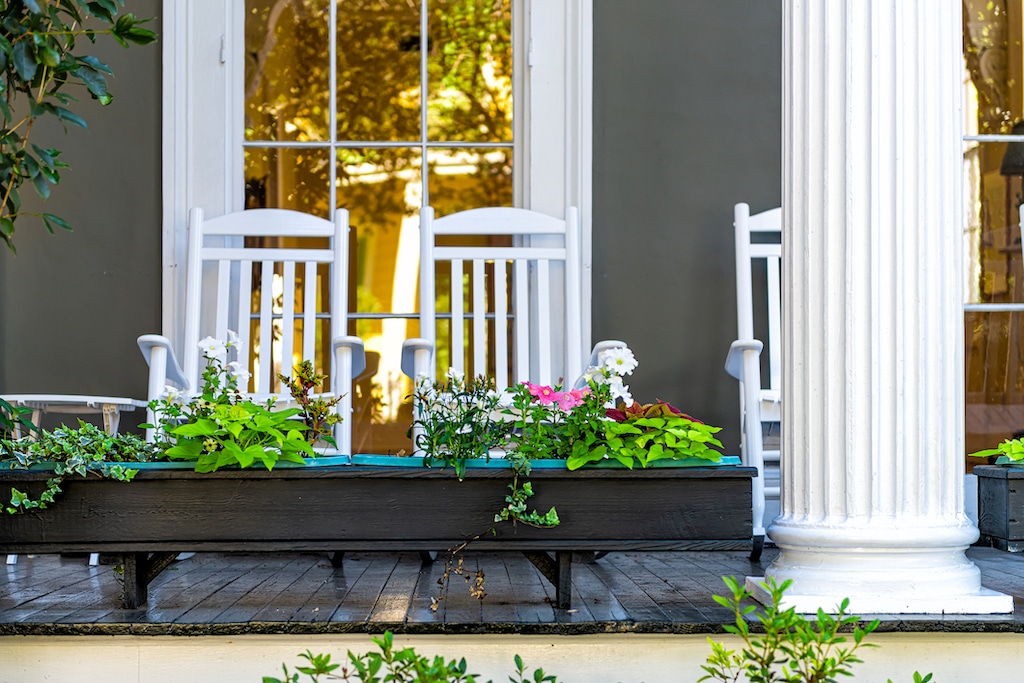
69	116
24	60
50	220
95	83
32	6
49	56
189	449
198	428
42	186
95	64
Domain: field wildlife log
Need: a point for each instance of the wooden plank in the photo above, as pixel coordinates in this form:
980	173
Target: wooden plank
667	592
638	605
594	599
361	594
285	568
459	605
532	593
179	595
420	617
296	584
665	584
210	609
396	595
499	606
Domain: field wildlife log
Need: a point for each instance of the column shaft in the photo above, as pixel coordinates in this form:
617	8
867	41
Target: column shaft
872	497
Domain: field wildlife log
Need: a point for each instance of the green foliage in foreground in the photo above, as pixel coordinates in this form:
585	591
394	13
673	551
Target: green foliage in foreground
403	665
788	648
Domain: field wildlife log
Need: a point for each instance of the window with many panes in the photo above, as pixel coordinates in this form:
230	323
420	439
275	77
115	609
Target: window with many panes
378	107
993	193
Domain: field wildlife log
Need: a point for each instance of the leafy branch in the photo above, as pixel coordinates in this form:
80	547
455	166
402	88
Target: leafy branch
39	63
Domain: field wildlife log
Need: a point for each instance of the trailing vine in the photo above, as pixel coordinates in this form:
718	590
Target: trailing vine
85	451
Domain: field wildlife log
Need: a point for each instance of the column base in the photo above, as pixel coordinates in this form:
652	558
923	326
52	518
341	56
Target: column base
883	566
985	601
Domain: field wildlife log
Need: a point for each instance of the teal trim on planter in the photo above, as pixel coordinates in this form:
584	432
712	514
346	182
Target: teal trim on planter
325	461
501	463
1004	460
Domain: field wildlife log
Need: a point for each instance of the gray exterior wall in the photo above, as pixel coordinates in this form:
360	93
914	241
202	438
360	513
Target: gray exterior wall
72	304
687	122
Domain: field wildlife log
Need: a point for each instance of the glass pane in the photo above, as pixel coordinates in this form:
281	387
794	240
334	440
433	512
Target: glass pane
382	189
286	70
378	69
461	179
296	179
995	378
469	71
992	247
992	66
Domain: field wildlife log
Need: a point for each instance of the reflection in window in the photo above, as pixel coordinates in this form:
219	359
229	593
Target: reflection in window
335	117
993	175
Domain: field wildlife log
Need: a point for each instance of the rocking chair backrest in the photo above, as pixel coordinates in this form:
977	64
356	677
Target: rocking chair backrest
278	278
513	293
759	240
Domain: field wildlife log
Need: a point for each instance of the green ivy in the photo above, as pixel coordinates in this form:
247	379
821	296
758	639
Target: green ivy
87	450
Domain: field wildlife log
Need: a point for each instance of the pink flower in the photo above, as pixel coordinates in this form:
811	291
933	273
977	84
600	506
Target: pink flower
566	401
544	395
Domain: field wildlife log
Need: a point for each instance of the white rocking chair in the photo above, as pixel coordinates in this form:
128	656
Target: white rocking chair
759	405
237	266
521	312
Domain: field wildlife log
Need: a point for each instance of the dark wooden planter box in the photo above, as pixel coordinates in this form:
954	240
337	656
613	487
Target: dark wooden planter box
1001	506
163	512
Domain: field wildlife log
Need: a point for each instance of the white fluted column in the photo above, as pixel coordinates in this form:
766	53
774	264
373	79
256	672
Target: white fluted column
872	498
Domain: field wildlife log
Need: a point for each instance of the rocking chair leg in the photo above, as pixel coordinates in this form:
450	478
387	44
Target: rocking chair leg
756	547
337	558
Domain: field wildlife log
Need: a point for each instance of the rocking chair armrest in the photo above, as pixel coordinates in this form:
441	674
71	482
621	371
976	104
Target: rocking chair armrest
357	355
163	364
416	357
738	349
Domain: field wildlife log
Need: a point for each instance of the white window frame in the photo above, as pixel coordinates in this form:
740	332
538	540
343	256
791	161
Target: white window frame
203	72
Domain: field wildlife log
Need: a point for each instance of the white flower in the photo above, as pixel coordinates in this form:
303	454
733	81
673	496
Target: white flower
455	376
233	339
504	398
619	391
619	360
238	371
214	349
171	395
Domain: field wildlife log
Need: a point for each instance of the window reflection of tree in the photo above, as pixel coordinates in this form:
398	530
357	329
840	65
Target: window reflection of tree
378	100
994	64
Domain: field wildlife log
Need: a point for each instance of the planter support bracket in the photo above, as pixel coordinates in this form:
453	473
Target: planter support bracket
558	571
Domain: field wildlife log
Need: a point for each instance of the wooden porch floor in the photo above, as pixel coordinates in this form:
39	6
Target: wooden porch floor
270	593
